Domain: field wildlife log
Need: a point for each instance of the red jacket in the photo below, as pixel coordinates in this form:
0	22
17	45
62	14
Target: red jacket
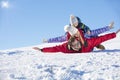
91	43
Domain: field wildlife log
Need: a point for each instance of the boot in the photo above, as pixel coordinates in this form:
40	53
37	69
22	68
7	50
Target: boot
100	47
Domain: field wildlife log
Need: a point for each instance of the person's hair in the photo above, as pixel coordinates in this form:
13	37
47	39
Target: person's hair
79	21
71	40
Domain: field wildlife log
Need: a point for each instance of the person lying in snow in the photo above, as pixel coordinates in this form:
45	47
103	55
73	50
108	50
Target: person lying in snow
74	45
76	22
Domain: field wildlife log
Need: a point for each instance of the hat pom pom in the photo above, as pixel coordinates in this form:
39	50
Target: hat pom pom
66	28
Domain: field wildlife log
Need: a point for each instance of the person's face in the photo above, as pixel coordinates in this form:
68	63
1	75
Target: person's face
75	24
76	45
74	20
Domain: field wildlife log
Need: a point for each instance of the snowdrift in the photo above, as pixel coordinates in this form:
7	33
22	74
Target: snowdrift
28	64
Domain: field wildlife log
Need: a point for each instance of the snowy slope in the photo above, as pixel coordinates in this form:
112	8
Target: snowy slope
28	64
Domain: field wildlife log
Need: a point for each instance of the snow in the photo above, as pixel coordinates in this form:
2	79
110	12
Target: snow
28	64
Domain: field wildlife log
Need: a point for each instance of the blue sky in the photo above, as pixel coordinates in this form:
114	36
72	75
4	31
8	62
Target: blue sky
26	22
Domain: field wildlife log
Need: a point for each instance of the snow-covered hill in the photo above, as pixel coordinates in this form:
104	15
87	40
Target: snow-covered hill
28	64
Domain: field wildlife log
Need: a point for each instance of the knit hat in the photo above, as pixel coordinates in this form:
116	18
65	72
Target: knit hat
72	30
73	19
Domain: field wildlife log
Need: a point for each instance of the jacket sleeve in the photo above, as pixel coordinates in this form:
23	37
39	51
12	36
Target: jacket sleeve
96	41
96	32
59	48
58	39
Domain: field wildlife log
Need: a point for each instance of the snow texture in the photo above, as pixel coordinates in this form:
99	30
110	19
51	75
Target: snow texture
28	64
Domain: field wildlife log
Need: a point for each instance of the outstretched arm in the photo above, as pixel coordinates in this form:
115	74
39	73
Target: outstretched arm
47	49
100	39
56	39
36	48
99	31
58	48
117	31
